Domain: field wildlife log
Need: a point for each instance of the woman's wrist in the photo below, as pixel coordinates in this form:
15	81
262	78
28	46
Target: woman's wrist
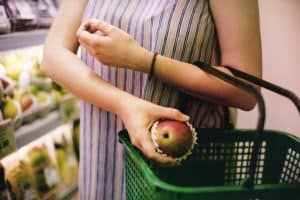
141	60
125	104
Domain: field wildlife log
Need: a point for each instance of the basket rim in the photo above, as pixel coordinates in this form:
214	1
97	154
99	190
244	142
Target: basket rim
153	179
279	132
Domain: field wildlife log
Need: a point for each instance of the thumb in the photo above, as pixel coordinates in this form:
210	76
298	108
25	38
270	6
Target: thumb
172	113
100	26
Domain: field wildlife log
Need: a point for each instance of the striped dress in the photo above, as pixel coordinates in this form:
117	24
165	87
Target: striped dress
180	29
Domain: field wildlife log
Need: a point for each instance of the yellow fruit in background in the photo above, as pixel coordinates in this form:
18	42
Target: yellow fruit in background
11	109
42	96
57	95
21	58
9	60
32	89
13	72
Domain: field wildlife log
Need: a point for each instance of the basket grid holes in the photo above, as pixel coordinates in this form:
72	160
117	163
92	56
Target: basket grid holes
291	169
237	159
137	187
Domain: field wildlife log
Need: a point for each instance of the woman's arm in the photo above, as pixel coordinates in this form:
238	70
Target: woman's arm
62	65
239	36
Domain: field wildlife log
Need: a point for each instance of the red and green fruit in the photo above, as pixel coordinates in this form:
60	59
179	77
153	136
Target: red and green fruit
173	138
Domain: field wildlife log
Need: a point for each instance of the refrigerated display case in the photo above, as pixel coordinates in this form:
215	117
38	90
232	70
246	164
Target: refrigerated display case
35	113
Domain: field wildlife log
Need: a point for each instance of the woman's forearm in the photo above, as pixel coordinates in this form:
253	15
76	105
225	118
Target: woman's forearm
68	70
63	66
192	80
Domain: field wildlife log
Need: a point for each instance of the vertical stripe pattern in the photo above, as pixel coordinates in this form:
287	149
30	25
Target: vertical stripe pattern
179	29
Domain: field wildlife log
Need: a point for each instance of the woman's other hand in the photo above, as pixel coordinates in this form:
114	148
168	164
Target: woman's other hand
112	46
138	117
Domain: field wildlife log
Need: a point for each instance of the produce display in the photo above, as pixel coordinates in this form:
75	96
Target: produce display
21	182
40	167
43	170
25	93
173	138
67	163
25	96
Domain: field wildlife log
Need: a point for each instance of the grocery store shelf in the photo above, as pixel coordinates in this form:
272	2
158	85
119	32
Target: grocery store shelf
68	193
28	133
22	39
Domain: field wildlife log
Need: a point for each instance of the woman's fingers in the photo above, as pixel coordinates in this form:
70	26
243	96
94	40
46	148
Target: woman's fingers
172	113
89	34
89	27
90	39
108	44
99	25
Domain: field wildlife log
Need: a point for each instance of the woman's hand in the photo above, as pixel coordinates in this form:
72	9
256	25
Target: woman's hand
112	46
138	117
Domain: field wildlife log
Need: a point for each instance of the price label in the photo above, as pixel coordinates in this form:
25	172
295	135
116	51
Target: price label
7	141
29	195
51	176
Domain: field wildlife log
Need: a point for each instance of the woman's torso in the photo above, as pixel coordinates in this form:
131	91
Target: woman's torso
180	29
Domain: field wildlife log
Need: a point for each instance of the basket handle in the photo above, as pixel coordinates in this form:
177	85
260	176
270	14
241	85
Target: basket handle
249	182
265	84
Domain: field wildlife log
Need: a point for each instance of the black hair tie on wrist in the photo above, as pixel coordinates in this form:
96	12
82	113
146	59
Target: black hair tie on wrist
199	63
152	65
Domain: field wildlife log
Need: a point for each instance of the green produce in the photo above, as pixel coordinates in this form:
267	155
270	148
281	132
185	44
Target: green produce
44	174
57	95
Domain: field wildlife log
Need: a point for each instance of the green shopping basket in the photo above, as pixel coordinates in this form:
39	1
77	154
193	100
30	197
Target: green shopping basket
225	163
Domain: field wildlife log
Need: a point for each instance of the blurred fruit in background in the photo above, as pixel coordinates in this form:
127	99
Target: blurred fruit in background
25	96
45	174
67	163
44	169
21	182
11	108
27	100
23	86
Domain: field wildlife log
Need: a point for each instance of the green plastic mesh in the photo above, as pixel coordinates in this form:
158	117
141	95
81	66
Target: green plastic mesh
137	186
291	168
220	161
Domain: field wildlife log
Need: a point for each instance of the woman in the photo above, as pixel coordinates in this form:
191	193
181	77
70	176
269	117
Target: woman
118	40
